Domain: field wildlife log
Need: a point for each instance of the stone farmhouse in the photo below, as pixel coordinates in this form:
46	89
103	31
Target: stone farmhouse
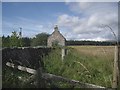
56	38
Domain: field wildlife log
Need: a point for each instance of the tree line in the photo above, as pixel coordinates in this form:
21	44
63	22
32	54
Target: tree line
41	40
84	42
16	41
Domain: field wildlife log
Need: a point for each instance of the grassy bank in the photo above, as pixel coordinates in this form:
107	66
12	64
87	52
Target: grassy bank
90	64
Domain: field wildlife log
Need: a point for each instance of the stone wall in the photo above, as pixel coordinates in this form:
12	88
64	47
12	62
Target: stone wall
29	57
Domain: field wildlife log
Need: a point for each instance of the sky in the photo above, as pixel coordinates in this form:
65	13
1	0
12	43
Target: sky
75	20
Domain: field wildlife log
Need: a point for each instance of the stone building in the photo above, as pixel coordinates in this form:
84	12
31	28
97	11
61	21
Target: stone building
56	38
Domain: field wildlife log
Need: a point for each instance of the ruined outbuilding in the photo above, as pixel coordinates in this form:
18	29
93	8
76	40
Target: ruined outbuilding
56	38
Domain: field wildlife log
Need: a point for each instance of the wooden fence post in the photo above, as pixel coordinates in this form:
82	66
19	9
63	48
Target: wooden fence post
40	83
63	53
118	67
115	68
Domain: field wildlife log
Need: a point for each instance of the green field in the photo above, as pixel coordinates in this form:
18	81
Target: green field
90	64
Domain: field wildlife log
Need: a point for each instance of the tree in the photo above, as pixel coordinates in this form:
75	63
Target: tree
5	41
26	41
40	40
14	40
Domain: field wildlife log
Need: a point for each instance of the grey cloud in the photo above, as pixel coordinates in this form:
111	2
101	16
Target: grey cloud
93	16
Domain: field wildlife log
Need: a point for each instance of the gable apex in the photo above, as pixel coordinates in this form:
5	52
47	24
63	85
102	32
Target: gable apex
56	31
56	36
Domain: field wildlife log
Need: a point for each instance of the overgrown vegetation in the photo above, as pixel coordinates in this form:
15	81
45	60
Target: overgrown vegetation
13	78
89	64
94	67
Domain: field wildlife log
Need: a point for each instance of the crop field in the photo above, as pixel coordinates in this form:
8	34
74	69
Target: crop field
106	52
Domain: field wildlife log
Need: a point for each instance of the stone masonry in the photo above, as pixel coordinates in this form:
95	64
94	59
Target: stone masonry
56	36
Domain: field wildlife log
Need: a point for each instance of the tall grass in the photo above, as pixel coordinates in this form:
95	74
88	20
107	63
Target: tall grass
89	64
13	78
83	64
